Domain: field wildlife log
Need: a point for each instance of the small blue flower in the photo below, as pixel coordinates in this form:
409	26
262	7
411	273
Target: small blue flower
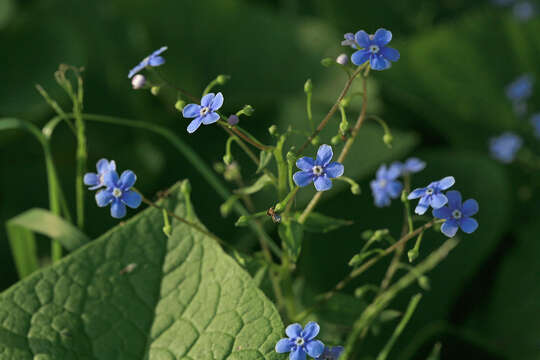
331	353
502	2
204	113
118	193
535	121
505	147
385	186
96	180
374	49
318	171
152	60
457	215
349	41
431	195
412	165
520	89
523	11
301	342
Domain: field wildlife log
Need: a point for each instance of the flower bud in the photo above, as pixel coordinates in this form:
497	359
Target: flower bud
272	130
387	139
291	157
343	126
327	62
179	105
278	207
155	90
248	110
315	141
227	159
185	187
219	167
345	101
342	59
355	189
138	82
336	140
222	79
412	254
308	86
233	120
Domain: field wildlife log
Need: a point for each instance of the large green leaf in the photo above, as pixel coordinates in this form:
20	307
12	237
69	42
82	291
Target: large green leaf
136	294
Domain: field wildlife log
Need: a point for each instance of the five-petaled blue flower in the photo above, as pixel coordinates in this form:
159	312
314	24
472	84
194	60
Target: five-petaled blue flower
118	193
318	171
349	41
412	165
535	122
432	195
505	147
457	215
386	186
96	180
331	353
301	342
520	89
374	49
204	113
151	60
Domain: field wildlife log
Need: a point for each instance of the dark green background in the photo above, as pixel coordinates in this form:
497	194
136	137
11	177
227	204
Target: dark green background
443	100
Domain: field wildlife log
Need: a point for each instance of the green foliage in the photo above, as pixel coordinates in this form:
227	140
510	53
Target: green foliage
291	233
319	223
180	303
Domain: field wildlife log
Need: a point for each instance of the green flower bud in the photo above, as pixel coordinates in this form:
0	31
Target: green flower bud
345	101
278	207
336	140
248	110
291	158
179	105
343	126
222	79
272	130
387	139
412	255
355	189
315	141
219	167
155	90
186	187
327	62
227	159
308	86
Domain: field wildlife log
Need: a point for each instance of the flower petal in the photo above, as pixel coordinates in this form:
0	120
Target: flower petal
298	354
382	37
118	209
324	155
438	200
156	61
104	198
449	228
191	111
389	53
394	189
377	62
334	170
442	213
360	57
446	182
131	198
207	99
423	205
110	179
102	165
468	225
303	178
305	163
310	331
314	348
127	179
91	179
414	165
284	345
159	51
293	330
136	69
417	193
194	125
454	199
210	118
470	207
362	38
217	102
322	183
394	171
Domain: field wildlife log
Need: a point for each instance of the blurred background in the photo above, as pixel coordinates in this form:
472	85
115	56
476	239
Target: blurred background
443	100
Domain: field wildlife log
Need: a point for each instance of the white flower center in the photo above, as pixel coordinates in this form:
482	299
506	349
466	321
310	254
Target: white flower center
299	341
101	180
456	214
374	49
117	192
317	170
429	191
204	110
382	183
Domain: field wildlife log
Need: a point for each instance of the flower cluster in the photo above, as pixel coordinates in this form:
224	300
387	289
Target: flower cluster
372	48
301	342
114	190
386	185
320	170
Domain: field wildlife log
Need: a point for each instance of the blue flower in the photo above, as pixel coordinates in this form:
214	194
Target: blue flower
331	353
349	41
318	171
523	11
118	193
457	215
535	121
374	49
204	113
301	342
152	60
520	89
412	165
431	195
385	186
505	147
95	180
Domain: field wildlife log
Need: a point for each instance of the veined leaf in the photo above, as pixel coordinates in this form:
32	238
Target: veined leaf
135	293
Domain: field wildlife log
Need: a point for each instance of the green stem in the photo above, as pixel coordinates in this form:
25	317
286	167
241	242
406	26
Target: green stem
281	167
309	113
